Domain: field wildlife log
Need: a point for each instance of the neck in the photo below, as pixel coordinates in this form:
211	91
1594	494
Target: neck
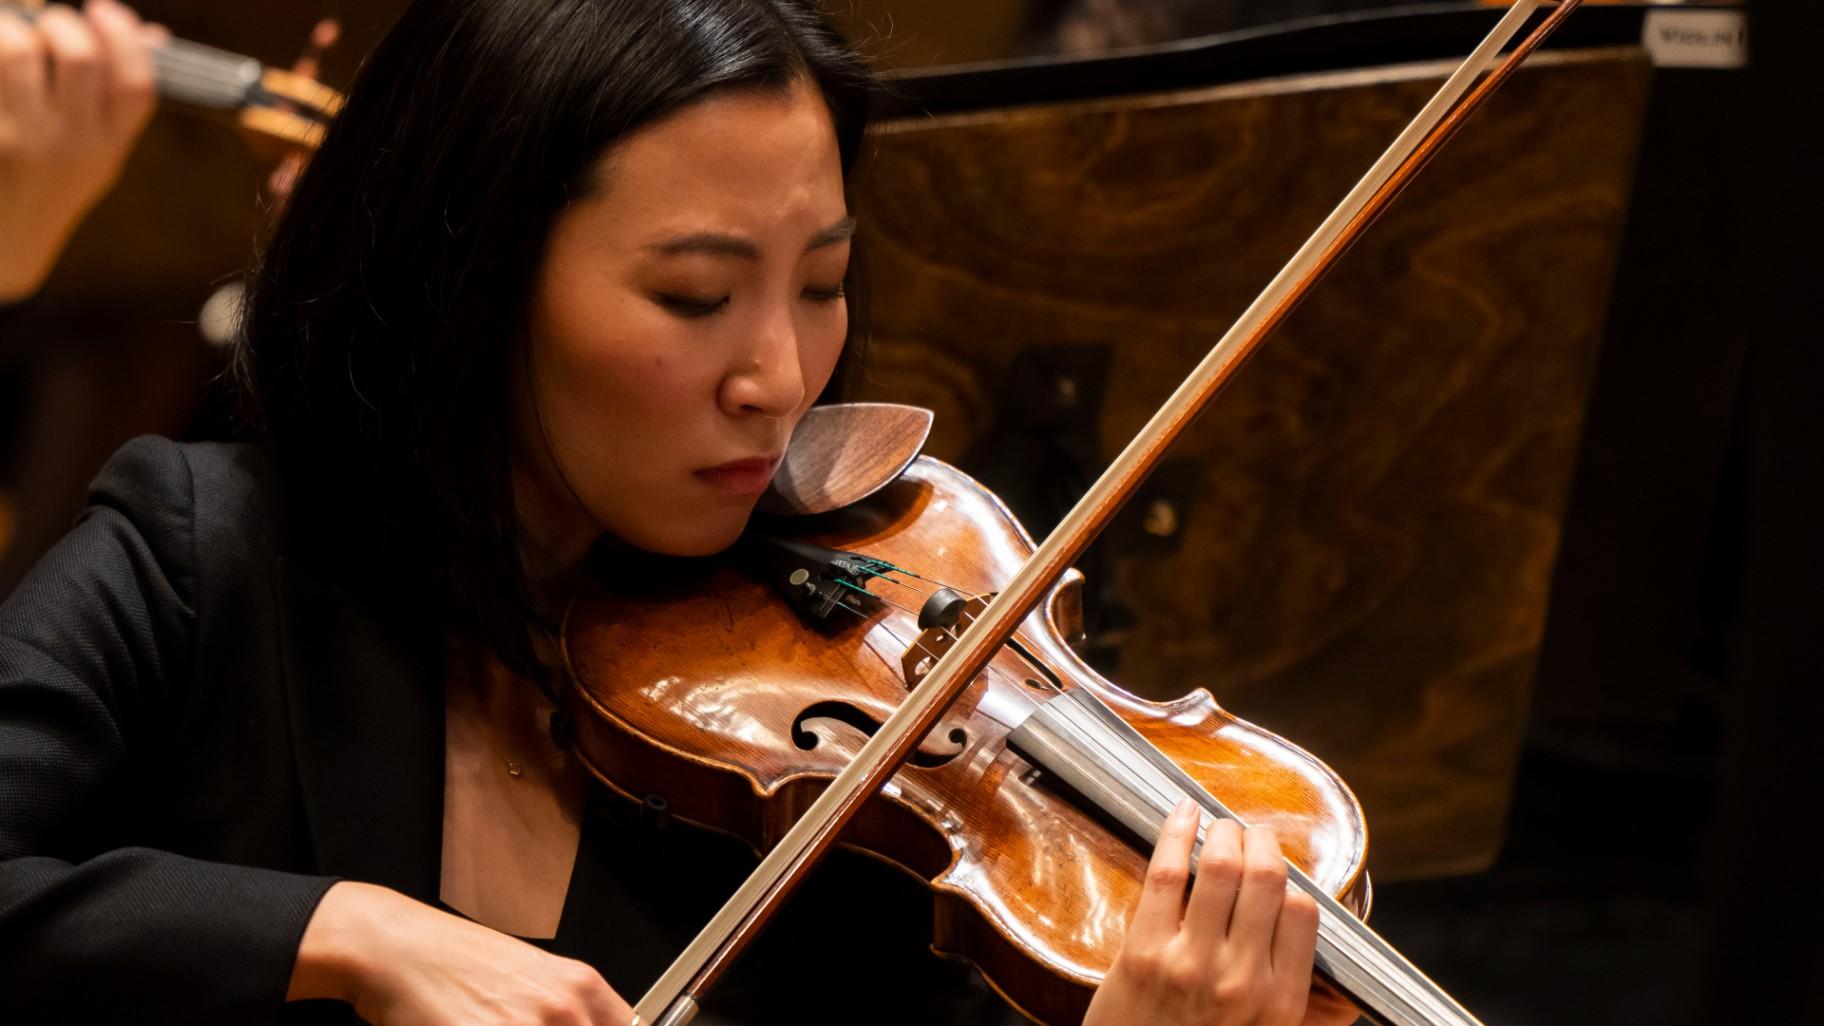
557	530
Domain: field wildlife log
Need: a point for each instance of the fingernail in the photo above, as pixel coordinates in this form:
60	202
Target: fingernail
1186	813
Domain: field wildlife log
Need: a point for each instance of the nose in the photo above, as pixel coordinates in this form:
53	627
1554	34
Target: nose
768	377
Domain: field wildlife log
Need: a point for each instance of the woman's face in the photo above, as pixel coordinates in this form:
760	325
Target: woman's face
688	312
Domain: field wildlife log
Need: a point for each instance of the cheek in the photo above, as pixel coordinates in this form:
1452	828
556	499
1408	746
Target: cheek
627	396
611	396
821	352
613	389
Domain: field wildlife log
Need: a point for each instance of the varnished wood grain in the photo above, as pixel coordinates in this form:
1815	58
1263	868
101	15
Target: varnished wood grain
1364	562
844	452
690	680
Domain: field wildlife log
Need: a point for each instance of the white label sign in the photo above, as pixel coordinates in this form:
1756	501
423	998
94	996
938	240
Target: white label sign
1697	39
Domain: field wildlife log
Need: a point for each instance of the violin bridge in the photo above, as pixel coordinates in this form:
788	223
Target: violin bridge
945	616
922	655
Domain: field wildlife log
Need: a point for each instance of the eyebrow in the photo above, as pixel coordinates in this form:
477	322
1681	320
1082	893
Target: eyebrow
717	244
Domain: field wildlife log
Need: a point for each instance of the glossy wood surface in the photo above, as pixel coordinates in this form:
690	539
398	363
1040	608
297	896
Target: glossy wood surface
693	676
844	452
1355	544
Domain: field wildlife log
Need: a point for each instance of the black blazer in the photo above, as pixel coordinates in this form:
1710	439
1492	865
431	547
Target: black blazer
181	629
168	636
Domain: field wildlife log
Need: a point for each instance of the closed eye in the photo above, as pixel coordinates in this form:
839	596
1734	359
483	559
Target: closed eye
829	295
690	306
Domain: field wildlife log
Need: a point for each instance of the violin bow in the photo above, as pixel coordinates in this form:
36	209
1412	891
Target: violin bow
1367	969
271	103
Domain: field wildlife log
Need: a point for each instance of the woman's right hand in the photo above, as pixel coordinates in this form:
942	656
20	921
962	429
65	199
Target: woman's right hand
403	963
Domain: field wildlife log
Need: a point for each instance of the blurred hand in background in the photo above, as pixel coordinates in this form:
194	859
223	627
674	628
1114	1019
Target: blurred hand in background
76	89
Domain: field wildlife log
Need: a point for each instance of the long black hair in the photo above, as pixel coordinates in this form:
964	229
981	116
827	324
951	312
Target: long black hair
387	314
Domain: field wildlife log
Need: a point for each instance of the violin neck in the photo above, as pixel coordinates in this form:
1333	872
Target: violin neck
204	76
1084	743
192	73
1388	988
275	105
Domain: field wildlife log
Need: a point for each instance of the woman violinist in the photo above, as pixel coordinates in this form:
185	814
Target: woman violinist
273	716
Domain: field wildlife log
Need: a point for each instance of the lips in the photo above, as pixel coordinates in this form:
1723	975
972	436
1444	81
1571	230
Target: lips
740	477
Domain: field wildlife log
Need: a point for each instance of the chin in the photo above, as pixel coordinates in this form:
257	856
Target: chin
704	536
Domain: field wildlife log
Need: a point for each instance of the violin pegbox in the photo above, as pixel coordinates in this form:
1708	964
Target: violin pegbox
290	109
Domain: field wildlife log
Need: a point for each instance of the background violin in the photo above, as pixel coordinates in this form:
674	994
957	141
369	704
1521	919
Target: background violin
276	107
109	348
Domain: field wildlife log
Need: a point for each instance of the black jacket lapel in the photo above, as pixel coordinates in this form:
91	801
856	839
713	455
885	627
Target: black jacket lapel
366	703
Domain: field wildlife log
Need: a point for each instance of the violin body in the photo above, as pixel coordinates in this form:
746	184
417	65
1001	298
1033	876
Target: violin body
696	685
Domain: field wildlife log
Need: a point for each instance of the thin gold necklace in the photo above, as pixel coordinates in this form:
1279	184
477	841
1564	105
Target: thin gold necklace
515	768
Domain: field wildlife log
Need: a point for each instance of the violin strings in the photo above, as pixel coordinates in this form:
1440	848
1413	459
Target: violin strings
178	55
951	633
214	69
201	88
212	92
199	55
919	644
916	643
210	75
871	572
1046	678
868	568
908	573
881	598
972	596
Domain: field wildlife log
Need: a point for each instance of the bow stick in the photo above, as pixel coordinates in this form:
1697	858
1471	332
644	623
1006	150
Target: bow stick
673	1000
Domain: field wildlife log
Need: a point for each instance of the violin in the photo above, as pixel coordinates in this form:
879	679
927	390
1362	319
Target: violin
275	107
775	667
897	672
895	675
278	109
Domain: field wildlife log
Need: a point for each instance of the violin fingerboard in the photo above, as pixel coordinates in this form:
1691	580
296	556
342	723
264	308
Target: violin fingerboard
204	76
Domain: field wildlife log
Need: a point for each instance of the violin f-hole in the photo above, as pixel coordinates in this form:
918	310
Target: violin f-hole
938	748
